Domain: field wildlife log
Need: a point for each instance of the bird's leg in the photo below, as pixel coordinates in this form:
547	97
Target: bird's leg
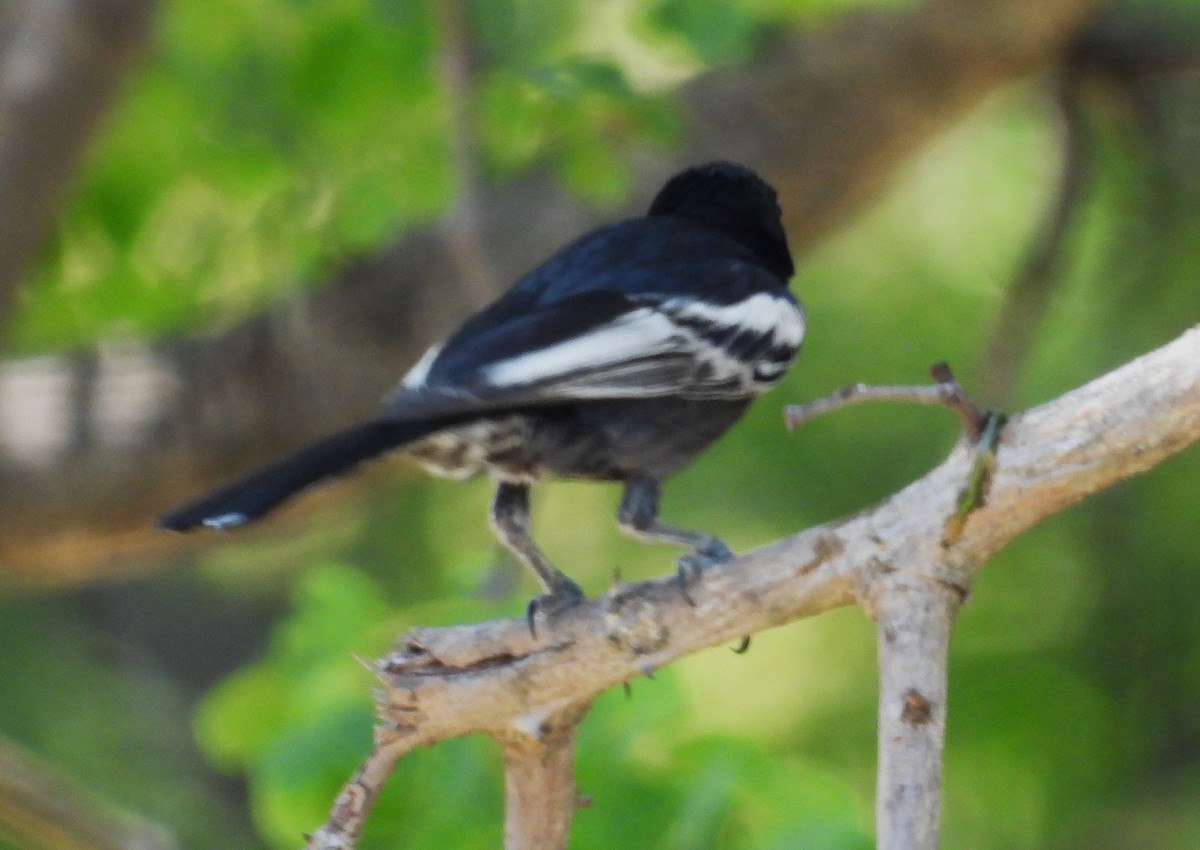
638	518
510	522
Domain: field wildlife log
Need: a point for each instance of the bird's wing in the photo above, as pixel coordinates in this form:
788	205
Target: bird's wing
605	344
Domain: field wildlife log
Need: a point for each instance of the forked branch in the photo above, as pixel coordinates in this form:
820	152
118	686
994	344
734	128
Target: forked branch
495	678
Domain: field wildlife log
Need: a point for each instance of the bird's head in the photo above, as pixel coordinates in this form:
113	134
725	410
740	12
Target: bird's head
734	201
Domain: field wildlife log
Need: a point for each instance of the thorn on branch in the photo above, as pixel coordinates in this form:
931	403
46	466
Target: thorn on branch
685	579
531	617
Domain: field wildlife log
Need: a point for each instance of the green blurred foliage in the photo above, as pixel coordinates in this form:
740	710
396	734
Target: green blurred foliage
109	716
267	139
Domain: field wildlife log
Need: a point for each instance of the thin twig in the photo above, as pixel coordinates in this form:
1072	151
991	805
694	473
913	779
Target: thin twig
356	799
946	392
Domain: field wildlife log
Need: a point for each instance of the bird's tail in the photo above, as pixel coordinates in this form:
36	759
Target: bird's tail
254	494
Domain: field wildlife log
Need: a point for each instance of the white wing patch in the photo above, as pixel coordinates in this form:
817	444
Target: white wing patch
420	371
763	313
637	335
671	347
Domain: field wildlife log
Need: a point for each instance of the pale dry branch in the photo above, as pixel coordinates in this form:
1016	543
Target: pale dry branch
913	616
496	678
357	796
539	783
945	391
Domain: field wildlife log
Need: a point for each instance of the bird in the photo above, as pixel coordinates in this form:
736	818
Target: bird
621	358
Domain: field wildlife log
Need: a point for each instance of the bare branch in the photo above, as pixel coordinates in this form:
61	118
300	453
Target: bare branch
945	392
539	783
495	677
357	797
914	618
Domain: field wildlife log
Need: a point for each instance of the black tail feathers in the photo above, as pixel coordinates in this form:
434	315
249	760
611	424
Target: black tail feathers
253	495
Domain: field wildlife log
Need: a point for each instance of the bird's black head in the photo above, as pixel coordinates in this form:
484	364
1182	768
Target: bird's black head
734	201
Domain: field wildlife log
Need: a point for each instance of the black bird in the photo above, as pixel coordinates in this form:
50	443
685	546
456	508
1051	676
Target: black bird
621	358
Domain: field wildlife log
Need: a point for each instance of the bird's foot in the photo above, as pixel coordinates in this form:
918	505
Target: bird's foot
692	566
565	595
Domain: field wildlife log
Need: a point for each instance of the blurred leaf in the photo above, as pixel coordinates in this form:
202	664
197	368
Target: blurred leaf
269	139
520	32
581	113
111	719
304	768
336	608
308	676
241	716
465	807
719	31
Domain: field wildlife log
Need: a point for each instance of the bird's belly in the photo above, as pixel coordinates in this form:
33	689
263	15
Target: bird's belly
467	450
608	440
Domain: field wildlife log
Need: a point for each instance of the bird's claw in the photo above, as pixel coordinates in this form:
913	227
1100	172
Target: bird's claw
561	599
692	566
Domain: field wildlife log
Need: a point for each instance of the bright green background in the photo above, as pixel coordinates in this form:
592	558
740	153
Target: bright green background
267	139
